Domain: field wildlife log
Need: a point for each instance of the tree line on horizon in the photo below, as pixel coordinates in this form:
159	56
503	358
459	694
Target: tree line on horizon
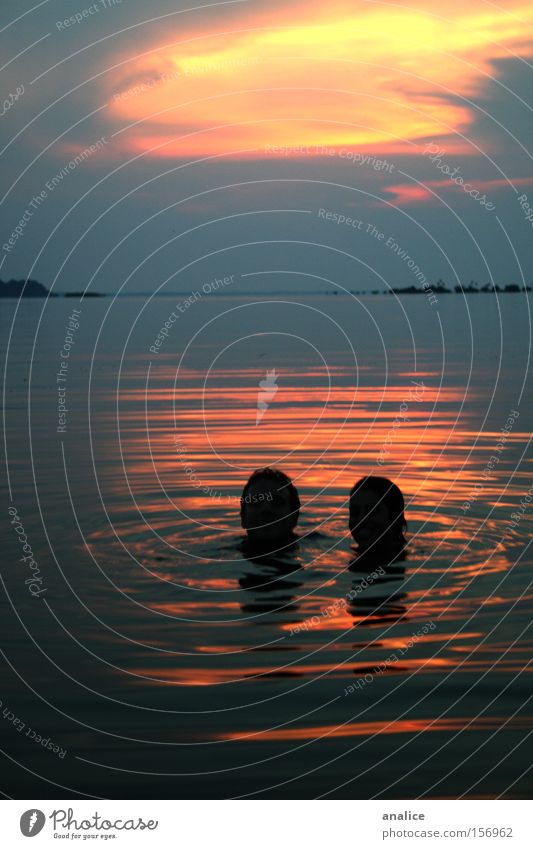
34	289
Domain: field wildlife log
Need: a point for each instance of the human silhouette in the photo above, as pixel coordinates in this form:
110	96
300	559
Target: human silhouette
270	507
377	523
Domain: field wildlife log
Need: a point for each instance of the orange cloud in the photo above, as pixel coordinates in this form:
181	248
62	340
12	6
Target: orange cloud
353	76
406	193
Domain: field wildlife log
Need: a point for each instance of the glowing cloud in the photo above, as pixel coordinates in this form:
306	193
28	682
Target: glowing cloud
357	75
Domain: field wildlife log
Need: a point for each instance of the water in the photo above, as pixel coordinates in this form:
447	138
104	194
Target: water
160	660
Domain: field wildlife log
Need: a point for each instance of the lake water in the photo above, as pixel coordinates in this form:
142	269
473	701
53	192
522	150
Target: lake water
163	663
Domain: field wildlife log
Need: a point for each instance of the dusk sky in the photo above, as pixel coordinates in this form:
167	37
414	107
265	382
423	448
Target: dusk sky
224	135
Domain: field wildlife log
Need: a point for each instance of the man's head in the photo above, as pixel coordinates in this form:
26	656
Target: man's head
377	519
270	507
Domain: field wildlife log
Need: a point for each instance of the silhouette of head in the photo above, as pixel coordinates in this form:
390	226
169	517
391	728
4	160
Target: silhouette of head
270	507
377	519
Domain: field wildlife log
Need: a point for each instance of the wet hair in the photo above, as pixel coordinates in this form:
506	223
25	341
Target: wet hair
390	495
284	481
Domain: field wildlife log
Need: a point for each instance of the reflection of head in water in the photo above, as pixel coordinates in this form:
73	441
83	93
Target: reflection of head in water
377	521
270	507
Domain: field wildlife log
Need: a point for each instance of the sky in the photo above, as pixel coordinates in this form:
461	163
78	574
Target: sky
305	145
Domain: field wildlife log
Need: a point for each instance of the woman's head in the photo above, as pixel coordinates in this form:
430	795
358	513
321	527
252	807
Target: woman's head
270	506
377	518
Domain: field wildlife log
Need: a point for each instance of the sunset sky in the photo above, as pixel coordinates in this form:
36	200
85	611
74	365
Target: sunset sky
225	130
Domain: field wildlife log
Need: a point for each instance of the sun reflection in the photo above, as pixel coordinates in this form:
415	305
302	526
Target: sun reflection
405	726
326	430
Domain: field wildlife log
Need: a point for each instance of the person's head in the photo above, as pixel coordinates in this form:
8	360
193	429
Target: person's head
376	519
270	507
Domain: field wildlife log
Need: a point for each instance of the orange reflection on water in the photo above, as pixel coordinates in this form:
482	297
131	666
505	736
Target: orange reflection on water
404	726
209	676
324	431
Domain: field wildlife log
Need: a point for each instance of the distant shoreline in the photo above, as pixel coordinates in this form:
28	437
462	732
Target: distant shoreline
34	289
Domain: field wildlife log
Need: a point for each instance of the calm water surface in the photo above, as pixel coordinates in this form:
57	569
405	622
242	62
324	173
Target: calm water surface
162	660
